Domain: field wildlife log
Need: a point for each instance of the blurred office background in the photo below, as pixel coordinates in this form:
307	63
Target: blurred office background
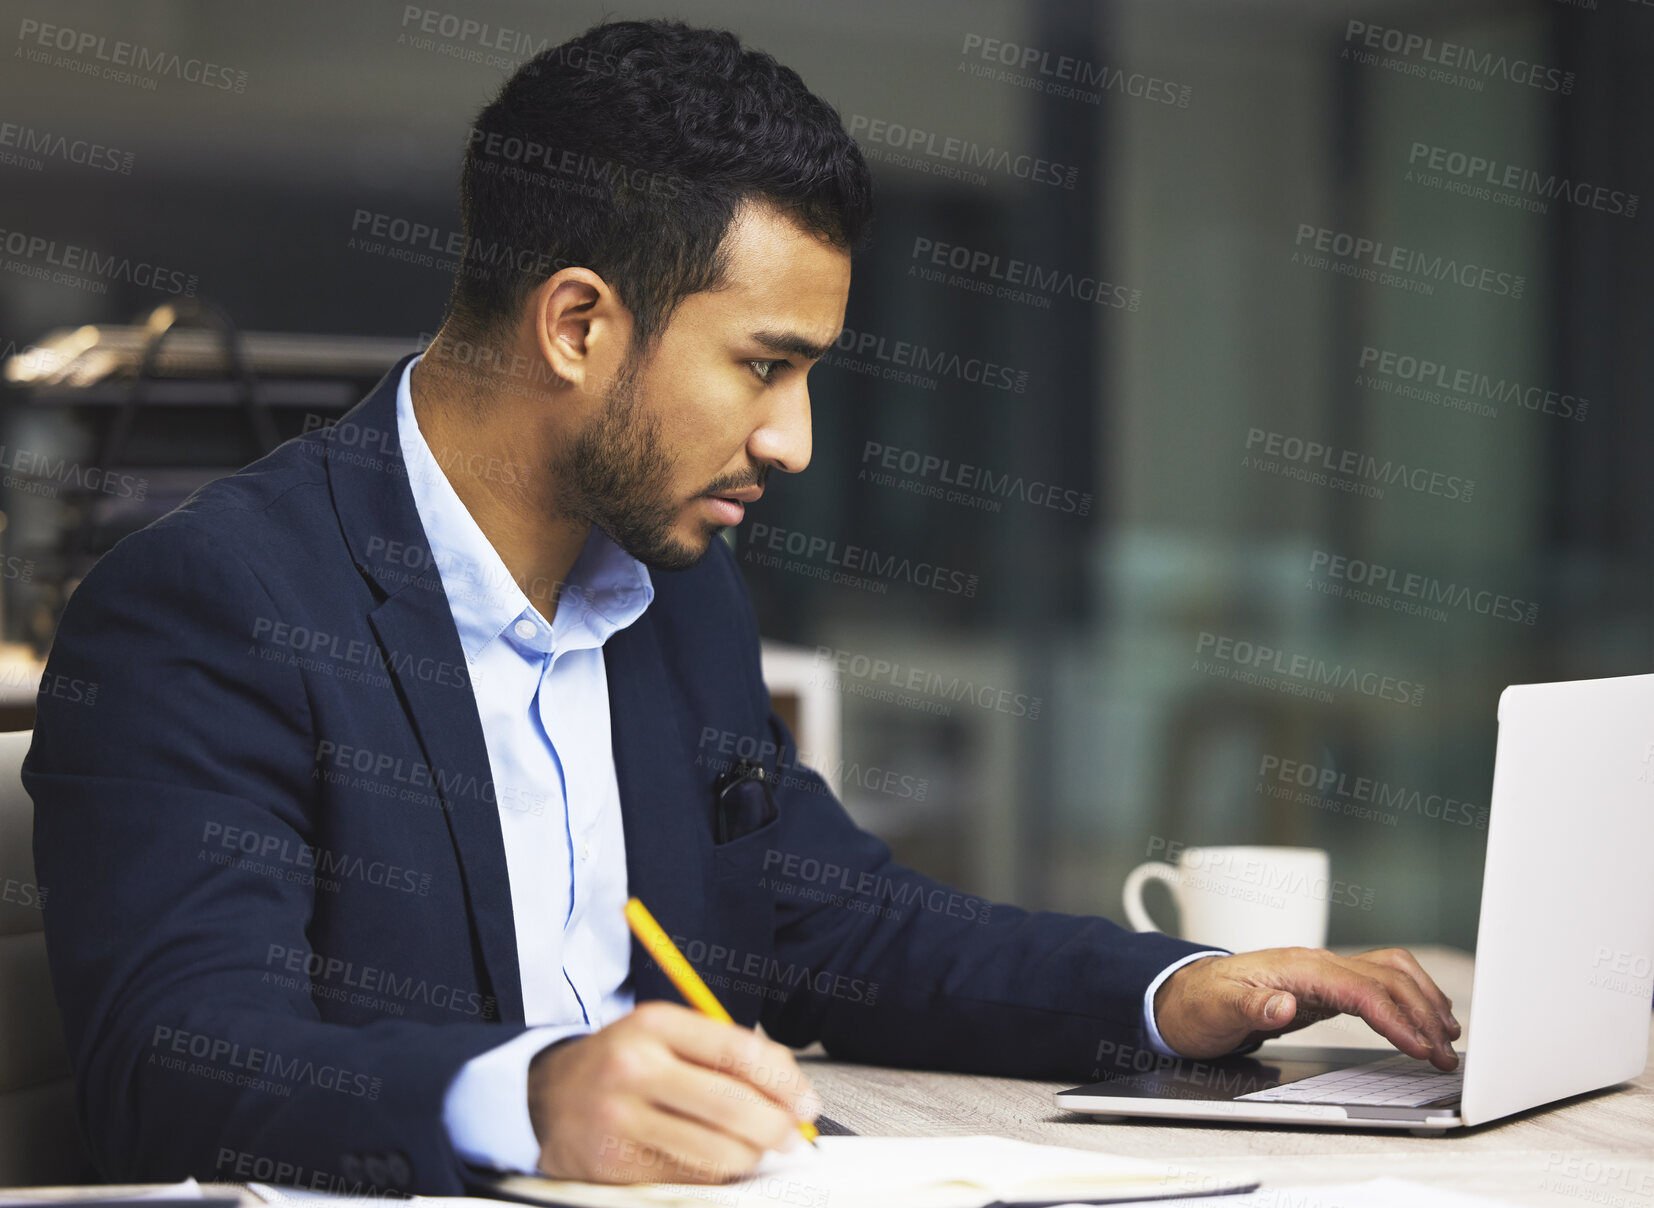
1122	293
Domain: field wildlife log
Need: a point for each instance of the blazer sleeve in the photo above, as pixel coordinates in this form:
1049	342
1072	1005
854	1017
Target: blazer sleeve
188	1060
903	970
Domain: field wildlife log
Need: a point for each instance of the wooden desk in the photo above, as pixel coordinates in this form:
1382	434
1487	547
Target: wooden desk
1594	1151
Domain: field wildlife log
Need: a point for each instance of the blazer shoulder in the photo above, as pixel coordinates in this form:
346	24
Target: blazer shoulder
271	519
259	486
244	510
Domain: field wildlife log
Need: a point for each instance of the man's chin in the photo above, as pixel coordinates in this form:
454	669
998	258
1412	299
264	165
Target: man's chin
676	551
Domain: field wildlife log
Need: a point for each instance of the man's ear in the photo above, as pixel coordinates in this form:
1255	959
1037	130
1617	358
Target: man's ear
581	327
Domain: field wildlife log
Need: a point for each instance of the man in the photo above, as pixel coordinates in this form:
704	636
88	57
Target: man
390	723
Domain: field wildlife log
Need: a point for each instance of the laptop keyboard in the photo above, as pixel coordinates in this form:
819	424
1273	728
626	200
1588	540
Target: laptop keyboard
1398	1081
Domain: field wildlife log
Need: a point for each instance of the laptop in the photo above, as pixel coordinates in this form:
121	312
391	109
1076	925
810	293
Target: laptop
1564	949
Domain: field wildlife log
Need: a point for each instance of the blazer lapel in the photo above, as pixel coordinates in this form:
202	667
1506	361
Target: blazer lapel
661	799
376	508
415	625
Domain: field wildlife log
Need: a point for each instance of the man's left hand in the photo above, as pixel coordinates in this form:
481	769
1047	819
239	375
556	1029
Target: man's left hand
1212	1006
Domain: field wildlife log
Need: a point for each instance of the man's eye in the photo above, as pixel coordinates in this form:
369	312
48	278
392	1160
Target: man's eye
764	371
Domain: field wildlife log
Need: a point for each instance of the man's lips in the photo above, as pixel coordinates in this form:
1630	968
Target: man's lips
728	511
730	505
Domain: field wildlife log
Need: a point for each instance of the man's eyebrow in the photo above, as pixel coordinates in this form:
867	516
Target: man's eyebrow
786	341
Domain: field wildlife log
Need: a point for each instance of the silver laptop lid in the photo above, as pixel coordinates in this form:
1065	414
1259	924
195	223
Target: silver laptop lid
1565	945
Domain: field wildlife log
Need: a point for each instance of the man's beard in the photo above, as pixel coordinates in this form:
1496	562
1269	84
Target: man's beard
617	475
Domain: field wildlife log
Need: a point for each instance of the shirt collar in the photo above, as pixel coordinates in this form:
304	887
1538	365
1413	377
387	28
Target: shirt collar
607	588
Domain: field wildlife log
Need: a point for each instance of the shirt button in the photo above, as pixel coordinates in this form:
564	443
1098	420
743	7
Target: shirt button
585	849
526	629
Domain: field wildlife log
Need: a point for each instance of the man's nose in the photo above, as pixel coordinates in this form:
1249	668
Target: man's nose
783	439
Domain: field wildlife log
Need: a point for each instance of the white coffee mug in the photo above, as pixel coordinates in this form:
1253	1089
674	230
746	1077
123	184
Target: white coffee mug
1241	898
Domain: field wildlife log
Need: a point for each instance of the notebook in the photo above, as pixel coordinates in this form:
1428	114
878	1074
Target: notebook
910	1172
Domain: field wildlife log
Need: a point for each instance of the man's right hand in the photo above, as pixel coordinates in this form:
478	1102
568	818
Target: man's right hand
665	1095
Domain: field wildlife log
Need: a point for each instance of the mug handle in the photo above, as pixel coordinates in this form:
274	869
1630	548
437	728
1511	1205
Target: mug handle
1154	870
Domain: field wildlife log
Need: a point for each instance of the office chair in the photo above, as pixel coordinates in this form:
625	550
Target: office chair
39	1136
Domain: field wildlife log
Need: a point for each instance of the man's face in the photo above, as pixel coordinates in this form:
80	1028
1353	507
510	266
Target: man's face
720	400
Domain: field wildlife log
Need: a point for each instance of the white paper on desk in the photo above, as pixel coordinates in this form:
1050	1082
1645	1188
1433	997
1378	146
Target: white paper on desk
1375	1193
308	1195
921	1172
189	1189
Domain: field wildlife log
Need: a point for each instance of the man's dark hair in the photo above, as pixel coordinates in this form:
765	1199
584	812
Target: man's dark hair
627	150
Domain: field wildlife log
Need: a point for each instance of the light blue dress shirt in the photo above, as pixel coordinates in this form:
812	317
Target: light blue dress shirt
543	697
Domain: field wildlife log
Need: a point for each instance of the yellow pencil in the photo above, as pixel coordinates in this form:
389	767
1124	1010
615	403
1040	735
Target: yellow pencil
660	946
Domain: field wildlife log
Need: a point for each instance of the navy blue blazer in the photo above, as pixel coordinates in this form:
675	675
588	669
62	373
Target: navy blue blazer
279	920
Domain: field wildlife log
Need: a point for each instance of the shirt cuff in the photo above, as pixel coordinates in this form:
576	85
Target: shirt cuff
1156	1042
486	1107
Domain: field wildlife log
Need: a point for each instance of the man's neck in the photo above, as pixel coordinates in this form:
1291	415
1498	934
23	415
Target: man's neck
501	477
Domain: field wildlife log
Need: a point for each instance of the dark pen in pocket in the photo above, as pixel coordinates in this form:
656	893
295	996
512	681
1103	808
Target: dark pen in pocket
742	801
